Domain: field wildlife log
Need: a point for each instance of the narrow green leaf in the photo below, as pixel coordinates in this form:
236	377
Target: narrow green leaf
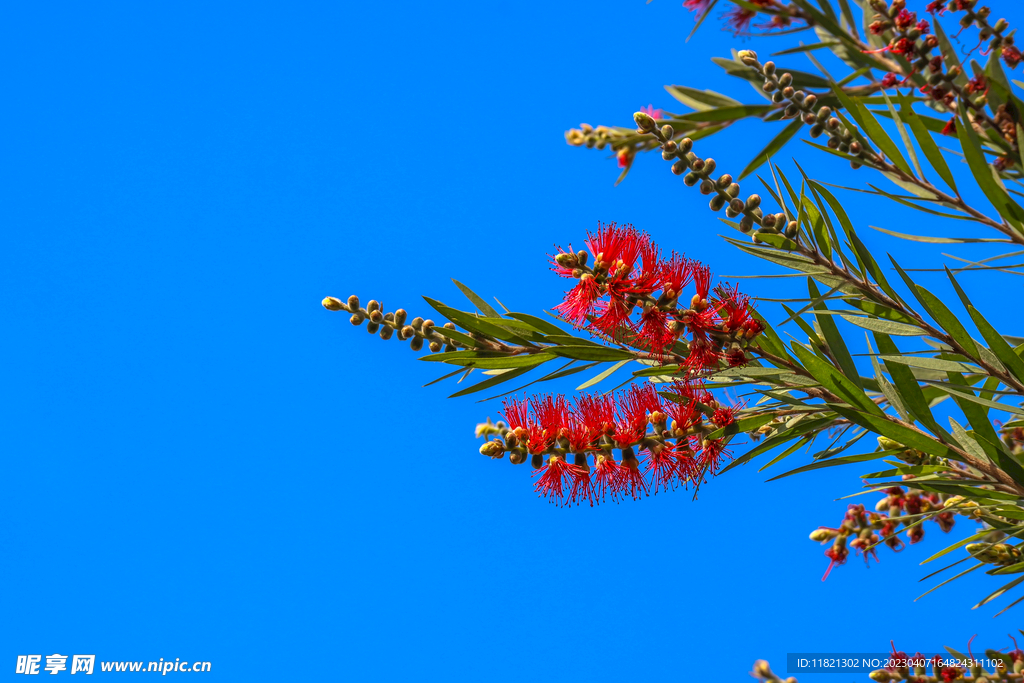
602	376
884	326
834	340
833	462
493	381
834	380
701	100
928	146
481	305
591	353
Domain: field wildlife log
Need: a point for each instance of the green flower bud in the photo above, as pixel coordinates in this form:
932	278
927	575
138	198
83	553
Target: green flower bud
680	166
786	79
717	202
746	224
691	179
667	131
685	145
332	304
706	187
644	122
753	201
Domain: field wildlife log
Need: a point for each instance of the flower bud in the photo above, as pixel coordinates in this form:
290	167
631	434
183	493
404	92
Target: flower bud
706	187
566	260
761	669
746	224
516	457
400	317
493	449
416	344
537	461
685	145
667	131
723	181
332	304
793	229
785	80
717	202
748	57
356	319
737	205
691	179
753	201
386	332
769	68
823	535
709	166
733	190
372	305
810	101
880	676
435	346
644	122
680	166
376	316
372	327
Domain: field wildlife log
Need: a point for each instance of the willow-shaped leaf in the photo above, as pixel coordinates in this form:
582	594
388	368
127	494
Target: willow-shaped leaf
733	113
928	146
1003	351
538	324
493	381
591	353
602	376
935	240
834	380
873	130
884	326
1010	210
938	310
477	301
834	340
701	100
833	462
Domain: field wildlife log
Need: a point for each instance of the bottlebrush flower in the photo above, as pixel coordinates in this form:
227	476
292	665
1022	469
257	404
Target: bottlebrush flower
597	412
889	81
723	417
905	19
697	6
631	479
607	477
663	468
580	301
1012	56
556	473
631	419
837	555
712	453
675	275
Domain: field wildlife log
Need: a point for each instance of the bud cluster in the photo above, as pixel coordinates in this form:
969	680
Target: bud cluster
804	105
994	33
418	330
660	444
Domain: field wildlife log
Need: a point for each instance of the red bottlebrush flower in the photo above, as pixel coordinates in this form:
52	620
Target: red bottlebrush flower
894	542
654	333
556	473
877	28
945	521
1011	55
675	275
923	26
936	6
516	413
753	327
663	468
915	534
905	19
865	545
733	308
701	281
703	355
607	477
976	84
1016	653
687	466
950	673
613	314
582	487
889	80
596	412
723	417
950	128
711	455
631	480
655	114
648	278
614	247
685	413
579	302
631	422
837	556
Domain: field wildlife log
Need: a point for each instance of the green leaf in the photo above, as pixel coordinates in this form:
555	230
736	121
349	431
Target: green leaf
997	196
539	324
701	100
772	148
1003	351
493	381
481	305
833	338
929	363
936	240
833	380
833	462
912	438
884	326
746	424
473	323
731	113
873	130
492	362
907	144
602	376
928	146
599	353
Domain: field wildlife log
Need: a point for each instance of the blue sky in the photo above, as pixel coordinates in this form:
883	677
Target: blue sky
202	463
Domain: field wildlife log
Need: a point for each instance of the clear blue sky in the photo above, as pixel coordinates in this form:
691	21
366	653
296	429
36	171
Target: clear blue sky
202	463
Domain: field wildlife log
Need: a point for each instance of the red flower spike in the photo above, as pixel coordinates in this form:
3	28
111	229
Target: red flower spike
516	413
950	128
563	271
663	468
889	80
631	422
739	18
711	455
596	412
631	479
613	246
905	19
612	315
702	281
648	278
579	302
556	473
607	478
654	333
1012	56
936	6
582	488
676	273
923	26
703	355
723	417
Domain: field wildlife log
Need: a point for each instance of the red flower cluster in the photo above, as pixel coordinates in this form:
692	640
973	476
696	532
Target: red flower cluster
675	452
628	275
